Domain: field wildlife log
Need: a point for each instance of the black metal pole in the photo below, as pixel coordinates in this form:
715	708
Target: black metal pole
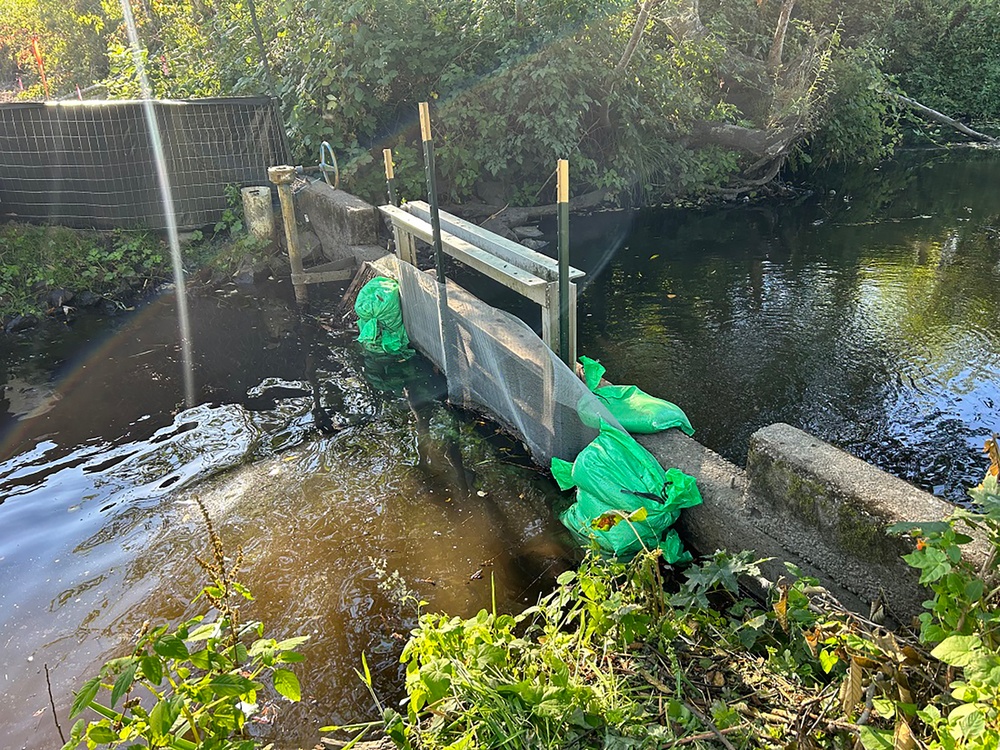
562	201
432	198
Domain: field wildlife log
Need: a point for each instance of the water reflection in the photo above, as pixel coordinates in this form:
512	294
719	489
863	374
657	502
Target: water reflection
867	317
98	536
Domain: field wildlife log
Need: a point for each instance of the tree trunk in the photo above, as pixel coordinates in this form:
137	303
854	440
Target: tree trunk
764	144
778	45
637	31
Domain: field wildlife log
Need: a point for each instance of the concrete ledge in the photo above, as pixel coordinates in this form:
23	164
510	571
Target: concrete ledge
833	509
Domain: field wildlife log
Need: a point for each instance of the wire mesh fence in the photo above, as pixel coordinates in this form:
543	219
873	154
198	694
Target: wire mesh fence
91	164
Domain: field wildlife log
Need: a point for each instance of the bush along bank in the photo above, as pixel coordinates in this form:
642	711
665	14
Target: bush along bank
51	270
614	658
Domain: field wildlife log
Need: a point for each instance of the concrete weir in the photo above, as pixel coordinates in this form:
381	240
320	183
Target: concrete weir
799	500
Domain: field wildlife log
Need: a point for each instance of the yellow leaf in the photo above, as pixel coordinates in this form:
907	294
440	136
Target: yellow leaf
903	738
653	257
851	691
992	449
781	608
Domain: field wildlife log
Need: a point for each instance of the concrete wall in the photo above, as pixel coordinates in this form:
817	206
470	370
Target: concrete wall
344	225
805	501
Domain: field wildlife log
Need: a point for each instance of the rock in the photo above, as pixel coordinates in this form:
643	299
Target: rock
21	323
86	299
498	227
492	192
58	297
529	232
243	277
535	244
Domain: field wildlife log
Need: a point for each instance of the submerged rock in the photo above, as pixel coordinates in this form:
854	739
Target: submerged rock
20	323
535	244
59	297
529	232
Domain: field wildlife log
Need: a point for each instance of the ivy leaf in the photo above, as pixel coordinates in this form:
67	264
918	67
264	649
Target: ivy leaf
958	650
287	684
932	562
828	660
87	693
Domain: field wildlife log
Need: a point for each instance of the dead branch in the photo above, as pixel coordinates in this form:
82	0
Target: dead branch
935	116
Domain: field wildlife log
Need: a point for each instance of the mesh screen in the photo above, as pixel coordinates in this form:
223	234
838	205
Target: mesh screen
496	364
90	164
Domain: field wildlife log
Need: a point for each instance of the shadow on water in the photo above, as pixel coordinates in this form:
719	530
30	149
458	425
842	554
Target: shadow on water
867	316
324	465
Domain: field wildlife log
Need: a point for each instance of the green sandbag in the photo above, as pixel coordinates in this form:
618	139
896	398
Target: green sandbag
615	473
635	410
380	318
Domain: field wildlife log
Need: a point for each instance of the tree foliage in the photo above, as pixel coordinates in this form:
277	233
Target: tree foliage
653	99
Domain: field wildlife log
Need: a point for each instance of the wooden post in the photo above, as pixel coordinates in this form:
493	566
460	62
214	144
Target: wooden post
406	248
562	201
432	198
390	175
283	177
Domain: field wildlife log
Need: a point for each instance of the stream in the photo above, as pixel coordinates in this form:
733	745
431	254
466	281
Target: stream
101	473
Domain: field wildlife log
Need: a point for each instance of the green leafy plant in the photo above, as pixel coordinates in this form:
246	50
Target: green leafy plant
963	616
35	259
194	685
232	216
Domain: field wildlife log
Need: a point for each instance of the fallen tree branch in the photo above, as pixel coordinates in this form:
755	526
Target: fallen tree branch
514	216
934	115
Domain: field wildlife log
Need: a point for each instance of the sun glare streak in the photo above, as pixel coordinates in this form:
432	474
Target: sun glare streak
183	319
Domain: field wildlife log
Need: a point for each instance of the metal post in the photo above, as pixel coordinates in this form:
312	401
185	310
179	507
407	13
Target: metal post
390	175
283	177
562	201
432	198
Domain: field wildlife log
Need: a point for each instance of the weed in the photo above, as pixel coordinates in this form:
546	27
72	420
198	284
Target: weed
193	686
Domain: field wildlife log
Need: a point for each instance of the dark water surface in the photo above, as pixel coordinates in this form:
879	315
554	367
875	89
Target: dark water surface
100	467
870	318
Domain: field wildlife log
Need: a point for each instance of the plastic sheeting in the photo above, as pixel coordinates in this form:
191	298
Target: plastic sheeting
496	364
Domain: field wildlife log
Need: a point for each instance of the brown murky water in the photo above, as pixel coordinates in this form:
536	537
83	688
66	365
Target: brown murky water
98	525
